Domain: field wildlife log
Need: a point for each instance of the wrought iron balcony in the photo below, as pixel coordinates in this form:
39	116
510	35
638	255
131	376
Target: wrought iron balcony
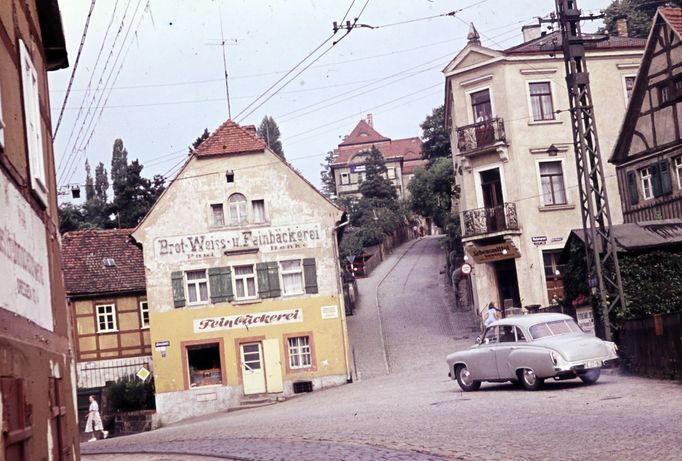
477	136
482	221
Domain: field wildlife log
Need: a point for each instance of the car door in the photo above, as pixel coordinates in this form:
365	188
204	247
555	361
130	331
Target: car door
481	362
507	344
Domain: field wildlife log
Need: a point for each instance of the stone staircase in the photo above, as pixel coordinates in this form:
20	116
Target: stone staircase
257	400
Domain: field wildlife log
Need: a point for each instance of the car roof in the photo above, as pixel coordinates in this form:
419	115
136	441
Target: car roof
531	319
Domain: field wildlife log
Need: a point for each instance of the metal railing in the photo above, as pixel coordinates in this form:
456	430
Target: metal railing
488	220
479	135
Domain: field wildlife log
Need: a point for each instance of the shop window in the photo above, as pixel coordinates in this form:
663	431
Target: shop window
292	277
204	365
106	318
237	204
541	101
218	214
300	354
553	274
552	183
245	282
197	287
144	314
258	207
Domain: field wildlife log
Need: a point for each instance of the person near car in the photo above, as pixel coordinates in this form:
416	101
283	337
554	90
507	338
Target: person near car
94	421
492	314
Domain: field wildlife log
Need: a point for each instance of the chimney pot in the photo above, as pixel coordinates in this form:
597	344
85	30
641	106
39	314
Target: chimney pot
622	27
370	120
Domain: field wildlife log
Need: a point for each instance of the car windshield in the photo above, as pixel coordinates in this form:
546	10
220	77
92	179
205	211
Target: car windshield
555	328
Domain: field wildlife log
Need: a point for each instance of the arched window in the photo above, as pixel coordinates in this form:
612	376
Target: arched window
237	204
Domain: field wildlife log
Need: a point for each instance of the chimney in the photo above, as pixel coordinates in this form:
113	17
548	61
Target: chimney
530	32
251	129
622	27
472	36
370	120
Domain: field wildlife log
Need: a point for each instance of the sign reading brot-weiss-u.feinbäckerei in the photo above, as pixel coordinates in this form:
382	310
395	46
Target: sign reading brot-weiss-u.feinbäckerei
247	321
215	244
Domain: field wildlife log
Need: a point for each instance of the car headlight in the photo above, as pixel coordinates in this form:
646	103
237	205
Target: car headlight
554	356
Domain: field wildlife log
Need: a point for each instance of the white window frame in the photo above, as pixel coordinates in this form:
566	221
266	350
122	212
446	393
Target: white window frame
33	123
256	219
470	109
647	183
214	208
243	278
298	352
344	178
563	176
391	173
625	87
678	171
144	309
197	284
531	116
477	183
299	271
108	314
240	207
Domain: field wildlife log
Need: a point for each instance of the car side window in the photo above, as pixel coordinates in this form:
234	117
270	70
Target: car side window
519	334
490	335
507	334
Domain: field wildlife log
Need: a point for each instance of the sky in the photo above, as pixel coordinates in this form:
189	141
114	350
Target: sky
151	72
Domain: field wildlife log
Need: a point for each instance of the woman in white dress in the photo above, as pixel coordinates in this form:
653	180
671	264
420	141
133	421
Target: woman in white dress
94	421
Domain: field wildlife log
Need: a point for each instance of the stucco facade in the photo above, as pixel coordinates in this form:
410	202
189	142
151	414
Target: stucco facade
242	279
507	112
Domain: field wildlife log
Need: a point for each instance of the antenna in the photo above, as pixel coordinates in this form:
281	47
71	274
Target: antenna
223	43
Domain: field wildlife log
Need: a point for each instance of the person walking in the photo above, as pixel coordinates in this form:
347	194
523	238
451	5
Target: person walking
492	314
94	421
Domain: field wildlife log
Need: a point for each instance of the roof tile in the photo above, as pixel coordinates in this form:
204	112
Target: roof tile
363	133
230	138
674	17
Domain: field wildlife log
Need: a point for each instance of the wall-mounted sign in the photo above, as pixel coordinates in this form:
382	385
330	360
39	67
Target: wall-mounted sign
25	286
539	240
215	244
143	374
585	319
162	344
247	321
490	253
329	312
466	269
358	168
556	239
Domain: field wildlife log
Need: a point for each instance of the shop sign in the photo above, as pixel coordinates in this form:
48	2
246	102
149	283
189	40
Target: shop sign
215	244
539	240
490	253
329	312
358	168
25	287
247	321
585	319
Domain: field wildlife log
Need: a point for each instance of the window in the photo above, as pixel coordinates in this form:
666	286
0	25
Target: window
258	207
34	136
480	105
553	274
519	334
552	183
647	187
218	214
106	318
292	277
197	287
300	355
204	365
678	171
391	173
541	101
237	204
490	335
629	86
507	334
345	178
245	282
656	179
663	94
144	314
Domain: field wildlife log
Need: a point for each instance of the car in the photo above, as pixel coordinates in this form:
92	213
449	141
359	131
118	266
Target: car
528	349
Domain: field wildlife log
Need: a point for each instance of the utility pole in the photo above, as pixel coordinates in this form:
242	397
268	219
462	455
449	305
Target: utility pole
600	246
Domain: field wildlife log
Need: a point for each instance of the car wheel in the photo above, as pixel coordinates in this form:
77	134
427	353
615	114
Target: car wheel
591	376
529	380
464	379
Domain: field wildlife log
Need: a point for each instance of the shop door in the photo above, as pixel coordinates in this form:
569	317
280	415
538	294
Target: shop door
507	281
253	373
492	199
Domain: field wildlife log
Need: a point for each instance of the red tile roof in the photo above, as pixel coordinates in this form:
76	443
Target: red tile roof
408	149
674	17
363	134
552	42
230	138
412	165
83	254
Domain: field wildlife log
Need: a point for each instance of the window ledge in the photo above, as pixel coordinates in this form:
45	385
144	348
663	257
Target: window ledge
104	332
545	122
243	302
567	206
206	386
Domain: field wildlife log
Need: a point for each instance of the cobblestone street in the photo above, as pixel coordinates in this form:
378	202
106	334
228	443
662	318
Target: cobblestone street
403	406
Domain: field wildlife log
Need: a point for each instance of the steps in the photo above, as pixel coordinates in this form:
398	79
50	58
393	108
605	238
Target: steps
256	401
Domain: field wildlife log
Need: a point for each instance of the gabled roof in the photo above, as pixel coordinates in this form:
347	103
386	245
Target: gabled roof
641	235
363	133
673	16
86	271
230	138
553	42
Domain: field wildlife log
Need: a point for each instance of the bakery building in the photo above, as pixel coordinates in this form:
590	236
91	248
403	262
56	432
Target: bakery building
243	281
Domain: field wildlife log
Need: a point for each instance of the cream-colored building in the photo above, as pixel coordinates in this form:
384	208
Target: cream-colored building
243	281
507	112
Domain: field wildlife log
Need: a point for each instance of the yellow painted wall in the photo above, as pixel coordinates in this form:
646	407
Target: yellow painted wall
177	326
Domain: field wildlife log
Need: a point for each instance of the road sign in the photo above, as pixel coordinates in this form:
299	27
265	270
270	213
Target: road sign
143	373
350	258
466	268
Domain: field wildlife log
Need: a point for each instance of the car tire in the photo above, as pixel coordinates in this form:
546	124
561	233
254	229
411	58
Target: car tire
464	379
590	376
529	380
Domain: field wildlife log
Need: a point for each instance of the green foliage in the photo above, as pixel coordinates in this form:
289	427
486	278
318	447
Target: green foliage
135	196
431	191
269	132
197	142
435	135
376	185
70	217
638	13
131	394
327	175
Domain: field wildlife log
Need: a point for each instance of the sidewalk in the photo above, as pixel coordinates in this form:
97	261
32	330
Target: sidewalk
152	457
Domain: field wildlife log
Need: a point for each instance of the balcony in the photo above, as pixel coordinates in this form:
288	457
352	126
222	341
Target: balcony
485	221
475	138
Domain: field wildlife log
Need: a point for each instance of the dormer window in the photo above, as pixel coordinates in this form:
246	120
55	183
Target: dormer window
108	262
237	206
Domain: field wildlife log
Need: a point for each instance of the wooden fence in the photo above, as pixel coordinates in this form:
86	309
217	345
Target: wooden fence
378	252
653	346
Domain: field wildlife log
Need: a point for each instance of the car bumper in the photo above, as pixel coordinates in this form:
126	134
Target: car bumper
582	366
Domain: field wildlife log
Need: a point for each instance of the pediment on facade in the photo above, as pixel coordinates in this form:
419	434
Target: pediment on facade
471	55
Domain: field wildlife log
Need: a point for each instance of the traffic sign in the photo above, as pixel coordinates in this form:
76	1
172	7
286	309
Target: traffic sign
466	268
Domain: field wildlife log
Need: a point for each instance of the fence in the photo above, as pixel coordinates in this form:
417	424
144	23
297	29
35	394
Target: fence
96	374
378	252
653	346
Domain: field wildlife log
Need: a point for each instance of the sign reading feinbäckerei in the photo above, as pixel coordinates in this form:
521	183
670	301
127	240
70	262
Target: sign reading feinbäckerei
261	319
214	244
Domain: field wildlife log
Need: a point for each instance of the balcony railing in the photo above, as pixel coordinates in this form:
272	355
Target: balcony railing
480	135
489	220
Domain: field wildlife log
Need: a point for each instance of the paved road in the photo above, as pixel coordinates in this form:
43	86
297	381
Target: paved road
404	407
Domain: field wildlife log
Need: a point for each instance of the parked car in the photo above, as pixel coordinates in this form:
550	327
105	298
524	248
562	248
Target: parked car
529	349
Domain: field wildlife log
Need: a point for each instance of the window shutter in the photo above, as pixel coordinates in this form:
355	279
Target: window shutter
664	171
220	284
655	179
263	280
273	277
310	275
177	281
632	187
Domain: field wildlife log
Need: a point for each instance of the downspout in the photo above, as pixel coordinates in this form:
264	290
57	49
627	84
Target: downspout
342	301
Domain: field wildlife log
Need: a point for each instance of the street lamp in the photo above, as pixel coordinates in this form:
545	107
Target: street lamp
552	151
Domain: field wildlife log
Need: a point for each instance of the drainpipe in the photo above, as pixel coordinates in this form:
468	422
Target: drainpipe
342	305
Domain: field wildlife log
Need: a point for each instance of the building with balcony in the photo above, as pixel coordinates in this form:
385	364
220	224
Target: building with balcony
37	407
402	157
243	281
507	112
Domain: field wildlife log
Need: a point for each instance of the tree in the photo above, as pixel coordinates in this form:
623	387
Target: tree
70	217
638	13
269	132
101	183
136	196
375	184
89	183
327	175
199	140
435	135
431	191
119	166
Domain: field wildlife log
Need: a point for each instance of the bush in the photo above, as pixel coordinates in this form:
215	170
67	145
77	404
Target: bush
131	394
